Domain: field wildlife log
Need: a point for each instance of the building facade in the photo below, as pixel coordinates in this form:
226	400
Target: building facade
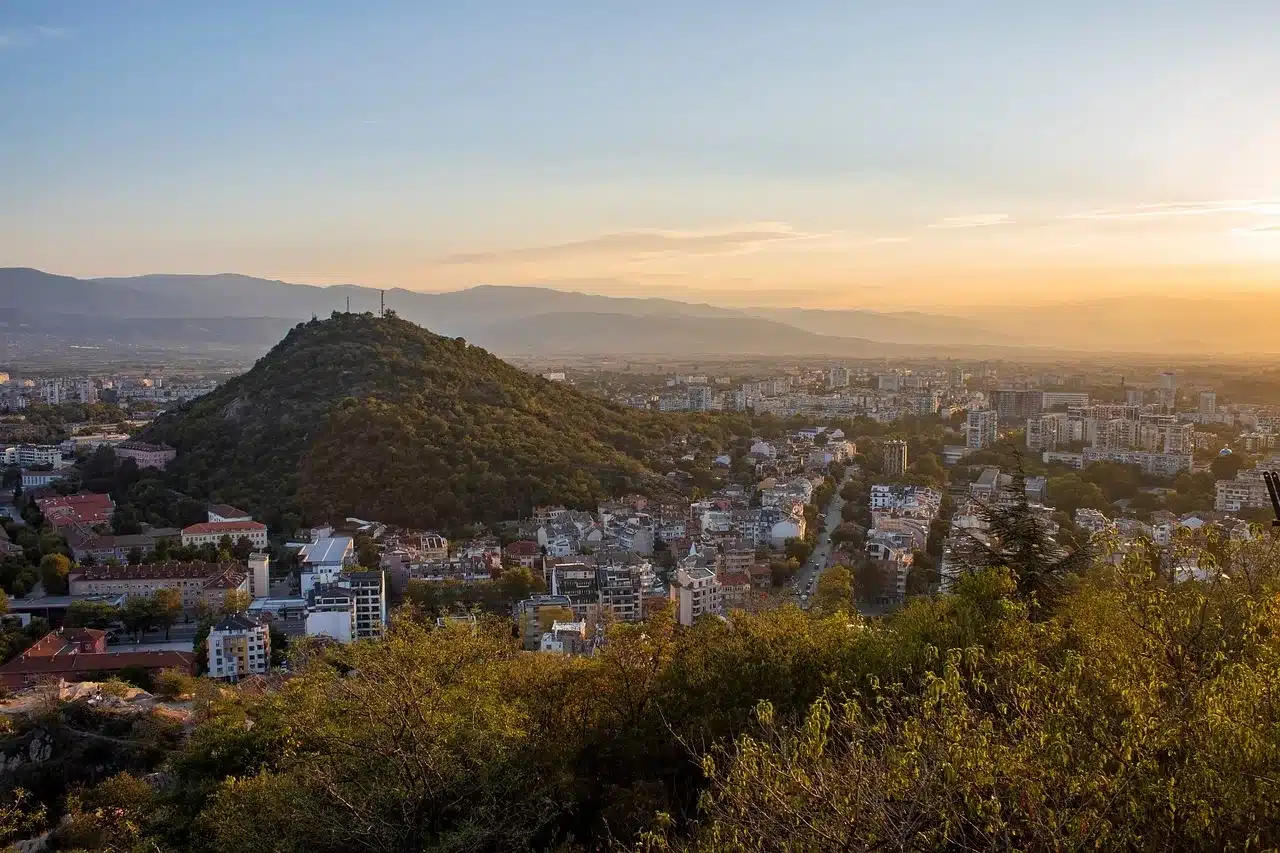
239	646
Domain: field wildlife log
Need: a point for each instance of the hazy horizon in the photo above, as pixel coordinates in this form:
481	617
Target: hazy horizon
813	154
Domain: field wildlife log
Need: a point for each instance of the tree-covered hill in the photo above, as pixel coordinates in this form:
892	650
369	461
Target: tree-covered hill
378	417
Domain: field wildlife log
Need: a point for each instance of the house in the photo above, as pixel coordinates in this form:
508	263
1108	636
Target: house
568	638
522	552
735	587
146	455
83	655
84	508
239	645
223	512
197	581
761	576
41	479
324	559
213	531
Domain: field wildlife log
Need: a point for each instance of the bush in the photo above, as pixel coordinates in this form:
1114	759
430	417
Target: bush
174	684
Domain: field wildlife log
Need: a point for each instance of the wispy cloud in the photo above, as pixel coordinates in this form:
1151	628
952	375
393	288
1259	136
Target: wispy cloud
12	38
642	244
887	241
974	220
1258	207
1257	229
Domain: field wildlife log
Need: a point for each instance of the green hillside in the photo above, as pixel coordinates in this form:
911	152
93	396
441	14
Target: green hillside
379	418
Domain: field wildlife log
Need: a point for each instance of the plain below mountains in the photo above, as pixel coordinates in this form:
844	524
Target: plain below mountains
220	311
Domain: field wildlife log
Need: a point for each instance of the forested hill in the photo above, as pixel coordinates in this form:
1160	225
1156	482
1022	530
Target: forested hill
379	418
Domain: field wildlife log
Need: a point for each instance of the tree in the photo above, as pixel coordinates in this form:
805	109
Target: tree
54	571
835	590
11	478
1017	540
236	601
134	557
168	608
782	571
90	614
138	613
798	550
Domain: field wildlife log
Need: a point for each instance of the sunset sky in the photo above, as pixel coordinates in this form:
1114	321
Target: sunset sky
845	153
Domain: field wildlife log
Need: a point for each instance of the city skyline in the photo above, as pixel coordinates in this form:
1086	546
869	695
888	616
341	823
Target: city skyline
822	154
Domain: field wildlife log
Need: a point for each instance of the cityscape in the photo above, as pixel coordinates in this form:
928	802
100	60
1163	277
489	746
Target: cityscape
677	429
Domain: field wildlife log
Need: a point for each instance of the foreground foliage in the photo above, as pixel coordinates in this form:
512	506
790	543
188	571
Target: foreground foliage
1138	714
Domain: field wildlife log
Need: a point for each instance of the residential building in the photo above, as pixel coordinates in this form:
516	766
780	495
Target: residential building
1048	431
86	508
987	486
259	574
735	588
40	479
567	638
522	552
145	454
223	512
331	612
1208	403
196	582
1158	464
82	655
1134	396
701	398
1052	399
581	585
622	590
838	377
1168	390
538	614
370	591
1015	404
27	455
213	531
239	646
324	559
895	458
696	593
982	428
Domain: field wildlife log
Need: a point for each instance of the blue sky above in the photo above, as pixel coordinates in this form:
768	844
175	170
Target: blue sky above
442	144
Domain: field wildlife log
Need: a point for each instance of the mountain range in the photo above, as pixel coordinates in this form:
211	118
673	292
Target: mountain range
228	310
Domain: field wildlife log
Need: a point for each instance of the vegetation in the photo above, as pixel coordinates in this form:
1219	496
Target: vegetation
377	417
1124	711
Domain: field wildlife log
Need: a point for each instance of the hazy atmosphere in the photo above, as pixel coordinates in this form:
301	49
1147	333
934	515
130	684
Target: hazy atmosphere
925	155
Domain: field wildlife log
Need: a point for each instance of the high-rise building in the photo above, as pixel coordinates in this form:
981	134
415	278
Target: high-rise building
838	377
696	592
1048	431
700	398
1168	390
983	428
895	458
1134	396
1208	402
1016	404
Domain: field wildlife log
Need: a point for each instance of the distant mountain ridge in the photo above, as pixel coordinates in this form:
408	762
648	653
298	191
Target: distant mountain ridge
511	319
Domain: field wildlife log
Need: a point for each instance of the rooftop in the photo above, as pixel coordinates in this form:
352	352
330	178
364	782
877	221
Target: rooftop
237	622
328	550
157	571
222	527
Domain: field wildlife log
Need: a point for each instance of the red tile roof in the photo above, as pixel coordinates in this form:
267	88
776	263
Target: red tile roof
522	548
156	571
87	508
227	527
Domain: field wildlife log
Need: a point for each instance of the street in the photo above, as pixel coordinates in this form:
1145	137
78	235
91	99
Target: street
805	583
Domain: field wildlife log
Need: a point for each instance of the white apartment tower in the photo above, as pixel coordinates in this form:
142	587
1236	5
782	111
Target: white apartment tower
983	428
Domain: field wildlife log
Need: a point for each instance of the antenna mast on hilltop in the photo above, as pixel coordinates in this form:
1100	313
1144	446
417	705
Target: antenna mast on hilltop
382	303
348	304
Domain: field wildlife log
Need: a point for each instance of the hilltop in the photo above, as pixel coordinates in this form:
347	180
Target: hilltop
377	417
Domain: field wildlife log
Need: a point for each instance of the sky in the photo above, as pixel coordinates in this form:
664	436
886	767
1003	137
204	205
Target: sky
861	154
